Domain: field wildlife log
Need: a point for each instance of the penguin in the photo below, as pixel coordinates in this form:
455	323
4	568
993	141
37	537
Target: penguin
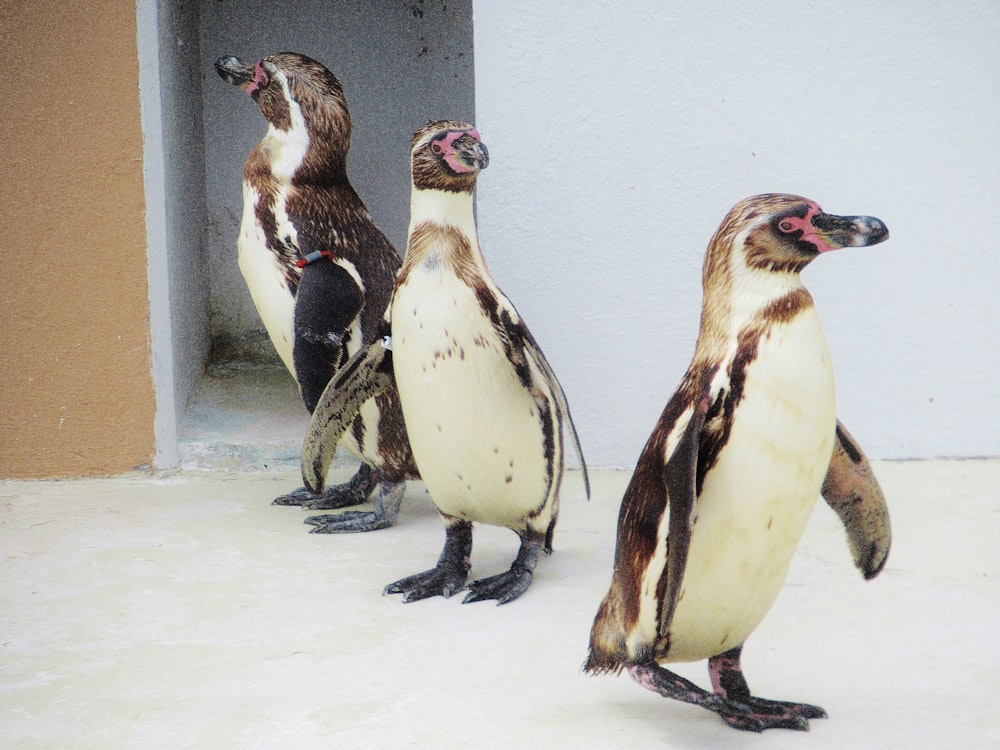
319	270
484	411
727	480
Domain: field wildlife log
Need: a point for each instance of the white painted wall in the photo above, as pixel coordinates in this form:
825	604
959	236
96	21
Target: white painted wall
621	134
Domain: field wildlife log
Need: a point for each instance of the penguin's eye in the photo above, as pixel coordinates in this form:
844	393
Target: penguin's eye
437	148
786	226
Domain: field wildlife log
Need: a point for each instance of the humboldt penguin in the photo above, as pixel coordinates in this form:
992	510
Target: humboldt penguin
483	408
319	270
727	480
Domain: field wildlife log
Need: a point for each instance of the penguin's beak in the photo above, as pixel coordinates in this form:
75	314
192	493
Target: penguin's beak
472	152
231	70
834	232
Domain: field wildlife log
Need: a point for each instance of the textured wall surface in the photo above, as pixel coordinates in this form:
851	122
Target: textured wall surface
77	396
621	135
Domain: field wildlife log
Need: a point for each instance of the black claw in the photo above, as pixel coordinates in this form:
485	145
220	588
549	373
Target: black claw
327	501
353	492
758	723
757	714
445	578
748	712
442	580
348	522
505	587
295	497
384	515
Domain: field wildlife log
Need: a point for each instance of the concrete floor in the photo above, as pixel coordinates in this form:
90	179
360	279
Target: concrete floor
184	611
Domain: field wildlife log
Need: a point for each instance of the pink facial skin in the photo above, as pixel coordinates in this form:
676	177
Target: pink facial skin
793	224
445	146
260	78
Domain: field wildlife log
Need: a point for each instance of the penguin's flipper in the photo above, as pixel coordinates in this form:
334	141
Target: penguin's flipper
327	303
679	477
521	348
364	376
852	490
535	353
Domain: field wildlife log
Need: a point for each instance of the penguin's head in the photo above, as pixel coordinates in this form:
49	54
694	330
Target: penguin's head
447	155
300	98
784	233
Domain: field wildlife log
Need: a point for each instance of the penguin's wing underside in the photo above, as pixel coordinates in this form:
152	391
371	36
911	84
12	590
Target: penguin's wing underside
679	478
363	376
852	490
327	303
515	331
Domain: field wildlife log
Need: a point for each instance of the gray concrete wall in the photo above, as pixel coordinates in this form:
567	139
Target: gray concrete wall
186	214
401	63
174	171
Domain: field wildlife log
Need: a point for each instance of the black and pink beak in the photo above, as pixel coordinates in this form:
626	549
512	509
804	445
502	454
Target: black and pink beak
830	232
250	78
463	150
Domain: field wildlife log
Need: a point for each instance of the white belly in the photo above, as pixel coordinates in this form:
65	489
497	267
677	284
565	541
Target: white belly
475	430
263	275
756	501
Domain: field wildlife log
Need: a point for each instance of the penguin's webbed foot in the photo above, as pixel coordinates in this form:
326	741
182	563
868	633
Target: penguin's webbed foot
761	714
507	586
751	713
384	514
445	578
353	492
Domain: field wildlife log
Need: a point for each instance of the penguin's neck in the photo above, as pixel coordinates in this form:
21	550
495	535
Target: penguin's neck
286	149
754	290
443	208
443	230
743	298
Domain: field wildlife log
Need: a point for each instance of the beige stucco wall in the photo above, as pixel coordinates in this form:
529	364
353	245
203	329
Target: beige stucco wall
76	396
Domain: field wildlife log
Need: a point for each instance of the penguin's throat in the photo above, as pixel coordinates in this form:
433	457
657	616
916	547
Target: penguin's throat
444	209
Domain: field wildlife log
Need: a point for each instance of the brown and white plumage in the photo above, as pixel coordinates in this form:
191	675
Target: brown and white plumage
319	270
726	482
484	411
